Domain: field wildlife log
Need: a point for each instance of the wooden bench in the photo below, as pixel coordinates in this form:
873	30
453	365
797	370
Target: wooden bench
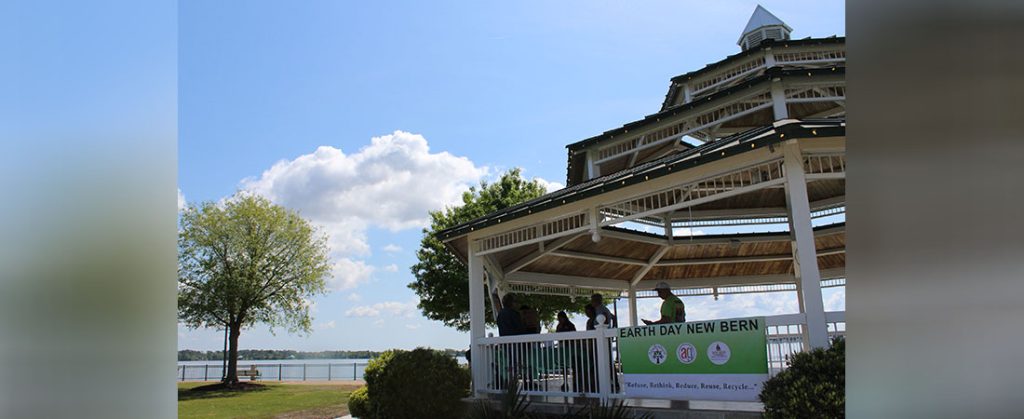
252	373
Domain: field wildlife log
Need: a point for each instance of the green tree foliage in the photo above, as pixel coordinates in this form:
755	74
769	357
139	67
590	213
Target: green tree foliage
422	383
814	385
247	261
359	404
441	278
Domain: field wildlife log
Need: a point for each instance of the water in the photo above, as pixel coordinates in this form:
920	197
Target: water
282	369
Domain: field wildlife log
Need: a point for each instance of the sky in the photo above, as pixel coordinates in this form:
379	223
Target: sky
364	116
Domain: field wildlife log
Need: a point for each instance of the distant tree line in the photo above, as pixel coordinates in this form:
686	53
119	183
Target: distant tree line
268	354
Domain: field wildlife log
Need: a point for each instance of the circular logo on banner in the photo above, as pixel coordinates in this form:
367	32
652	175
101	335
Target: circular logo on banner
686	353
718	352
657	354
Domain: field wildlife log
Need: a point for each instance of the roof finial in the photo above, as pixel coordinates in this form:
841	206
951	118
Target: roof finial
763	25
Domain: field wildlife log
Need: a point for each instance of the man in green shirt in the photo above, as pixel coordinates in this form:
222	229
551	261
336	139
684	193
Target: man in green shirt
672	308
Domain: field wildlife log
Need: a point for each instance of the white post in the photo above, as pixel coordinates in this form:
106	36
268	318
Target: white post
779	100
769	58
604	362
632	307
593	170
805	257
687	93
476	318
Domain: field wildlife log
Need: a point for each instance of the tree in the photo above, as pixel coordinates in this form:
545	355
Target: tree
248	261
442	282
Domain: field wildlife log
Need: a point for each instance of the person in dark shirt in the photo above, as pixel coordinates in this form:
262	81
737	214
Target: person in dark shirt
531	320
597	300
591	316
564	325
510	322
570	350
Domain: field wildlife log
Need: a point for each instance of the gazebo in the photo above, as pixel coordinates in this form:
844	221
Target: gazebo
754	140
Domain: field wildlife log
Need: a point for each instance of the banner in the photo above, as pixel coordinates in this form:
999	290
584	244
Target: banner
705	360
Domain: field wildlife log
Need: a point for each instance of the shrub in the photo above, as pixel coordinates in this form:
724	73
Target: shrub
814	385
514	404
359	404
422	383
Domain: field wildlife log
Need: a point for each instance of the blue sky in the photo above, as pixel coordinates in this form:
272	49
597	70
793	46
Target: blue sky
363	116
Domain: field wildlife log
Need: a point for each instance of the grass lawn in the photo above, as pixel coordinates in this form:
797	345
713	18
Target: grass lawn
276	400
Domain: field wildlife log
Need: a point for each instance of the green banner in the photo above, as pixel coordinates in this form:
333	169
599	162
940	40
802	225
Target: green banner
711	360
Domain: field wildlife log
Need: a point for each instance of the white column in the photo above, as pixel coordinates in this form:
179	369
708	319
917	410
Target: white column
779	100
805	257
593	170
604	362
632	307
687	93
476	317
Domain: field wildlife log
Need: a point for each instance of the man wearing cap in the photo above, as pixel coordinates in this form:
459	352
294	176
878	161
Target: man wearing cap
672	308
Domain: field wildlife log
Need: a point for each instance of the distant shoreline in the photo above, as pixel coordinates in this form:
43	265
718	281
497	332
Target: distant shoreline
185	355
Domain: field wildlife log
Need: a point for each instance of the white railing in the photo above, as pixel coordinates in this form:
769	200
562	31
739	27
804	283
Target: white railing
569	364
785	336
585	363
810	55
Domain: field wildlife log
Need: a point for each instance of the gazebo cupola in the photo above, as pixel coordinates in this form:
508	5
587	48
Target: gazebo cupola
763	25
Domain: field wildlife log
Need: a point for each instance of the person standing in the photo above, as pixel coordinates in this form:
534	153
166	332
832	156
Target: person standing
597	300
672	308
564	325
531	320
510	323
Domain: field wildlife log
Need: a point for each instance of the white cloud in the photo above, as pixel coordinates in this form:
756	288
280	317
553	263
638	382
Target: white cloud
325	325
349	274
412	326
549	185
392	308
836	301
391	268
354	297
391	183
181	200
392	248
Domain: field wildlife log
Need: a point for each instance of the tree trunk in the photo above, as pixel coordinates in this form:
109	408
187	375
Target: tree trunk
232	376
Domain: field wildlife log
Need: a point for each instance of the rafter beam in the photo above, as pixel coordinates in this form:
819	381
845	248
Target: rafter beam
543	249
598	258
647	284
569	280
650	264
737	259
744	259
